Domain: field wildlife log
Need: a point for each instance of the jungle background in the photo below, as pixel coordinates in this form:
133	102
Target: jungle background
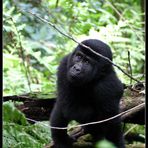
32	50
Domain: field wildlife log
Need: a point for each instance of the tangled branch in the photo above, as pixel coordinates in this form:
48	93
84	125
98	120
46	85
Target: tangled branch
96	122
70	37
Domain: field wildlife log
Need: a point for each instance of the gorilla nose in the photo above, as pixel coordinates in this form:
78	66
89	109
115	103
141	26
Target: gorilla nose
77	69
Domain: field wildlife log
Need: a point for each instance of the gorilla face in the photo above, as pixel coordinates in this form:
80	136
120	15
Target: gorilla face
84	66
81	68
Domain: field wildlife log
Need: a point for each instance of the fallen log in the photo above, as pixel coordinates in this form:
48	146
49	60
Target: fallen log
39	109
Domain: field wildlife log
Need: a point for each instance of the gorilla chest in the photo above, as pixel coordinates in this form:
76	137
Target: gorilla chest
79	112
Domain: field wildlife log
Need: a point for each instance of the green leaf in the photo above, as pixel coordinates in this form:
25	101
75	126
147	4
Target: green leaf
18	133
104	144
12	114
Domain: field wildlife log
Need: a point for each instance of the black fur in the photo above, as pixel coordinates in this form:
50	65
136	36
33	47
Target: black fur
87	91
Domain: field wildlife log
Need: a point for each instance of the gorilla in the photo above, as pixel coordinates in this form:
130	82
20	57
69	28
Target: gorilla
88	90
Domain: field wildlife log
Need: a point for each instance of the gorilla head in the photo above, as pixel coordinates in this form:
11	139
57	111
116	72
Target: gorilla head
85	66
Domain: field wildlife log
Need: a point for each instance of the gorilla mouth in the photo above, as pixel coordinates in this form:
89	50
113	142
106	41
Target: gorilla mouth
74	78
75	75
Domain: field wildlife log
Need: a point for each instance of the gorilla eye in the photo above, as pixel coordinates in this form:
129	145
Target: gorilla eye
86	61
79	56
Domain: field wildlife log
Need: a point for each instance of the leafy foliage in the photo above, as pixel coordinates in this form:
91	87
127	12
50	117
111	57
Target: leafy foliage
18	133
32	50
43	47
11	114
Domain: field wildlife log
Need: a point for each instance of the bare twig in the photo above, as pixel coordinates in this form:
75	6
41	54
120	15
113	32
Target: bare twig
130	129
97	122
57	2
133	111
70	37
129	60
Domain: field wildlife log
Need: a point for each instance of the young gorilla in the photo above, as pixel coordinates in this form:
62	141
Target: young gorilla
88	91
